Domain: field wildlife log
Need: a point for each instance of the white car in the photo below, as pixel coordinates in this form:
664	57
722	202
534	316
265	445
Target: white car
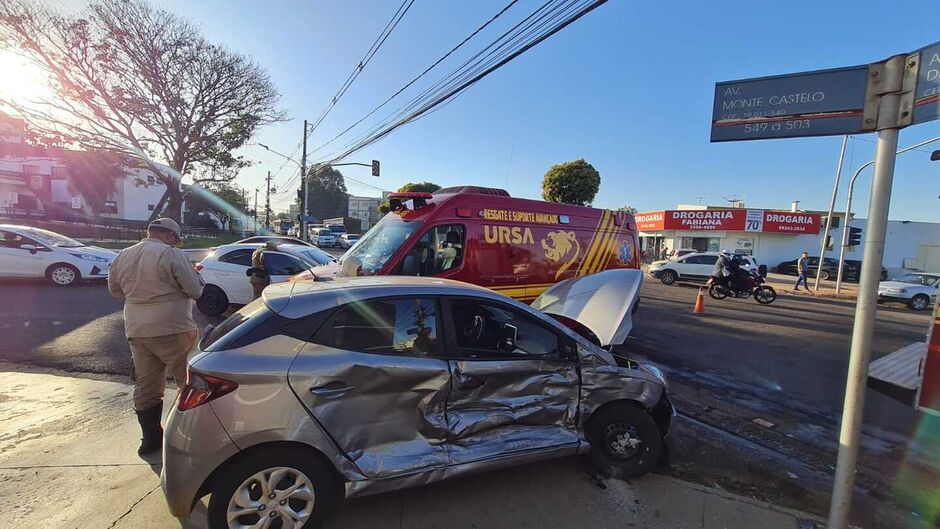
225	271
346	240
916	289
693	267
323	237
34	252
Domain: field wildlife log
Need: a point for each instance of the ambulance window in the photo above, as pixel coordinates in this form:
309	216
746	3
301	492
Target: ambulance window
439	250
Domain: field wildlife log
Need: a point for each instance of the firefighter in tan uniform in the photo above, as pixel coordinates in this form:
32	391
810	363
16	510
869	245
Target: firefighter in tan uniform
158	285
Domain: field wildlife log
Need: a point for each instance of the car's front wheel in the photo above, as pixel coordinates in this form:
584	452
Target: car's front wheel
668	277
63	274
625	441
919	302
289	488
213	301
824	275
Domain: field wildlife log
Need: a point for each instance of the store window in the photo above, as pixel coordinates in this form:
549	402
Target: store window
702	244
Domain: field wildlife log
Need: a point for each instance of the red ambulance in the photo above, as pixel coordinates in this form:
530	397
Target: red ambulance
483	236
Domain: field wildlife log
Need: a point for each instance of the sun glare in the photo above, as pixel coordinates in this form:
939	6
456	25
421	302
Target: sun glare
20	81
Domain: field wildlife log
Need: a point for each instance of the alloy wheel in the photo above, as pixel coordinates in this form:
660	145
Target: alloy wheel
919	303
63	275
275	498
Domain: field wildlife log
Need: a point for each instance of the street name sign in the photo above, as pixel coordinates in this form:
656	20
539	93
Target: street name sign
816	103
819	103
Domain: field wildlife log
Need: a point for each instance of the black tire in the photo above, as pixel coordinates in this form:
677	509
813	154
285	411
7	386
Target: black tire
608	453
716	292
668	277
919	302
765	295
63	275
326	489
824	275
213	301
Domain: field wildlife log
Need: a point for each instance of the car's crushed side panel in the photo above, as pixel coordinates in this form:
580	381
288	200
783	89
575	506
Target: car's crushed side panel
602	382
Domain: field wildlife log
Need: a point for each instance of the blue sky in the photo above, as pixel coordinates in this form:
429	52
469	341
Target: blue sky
629	88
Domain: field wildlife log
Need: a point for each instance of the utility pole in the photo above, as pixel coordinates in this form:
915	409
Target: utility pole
303	187
832	208
267	203
256	211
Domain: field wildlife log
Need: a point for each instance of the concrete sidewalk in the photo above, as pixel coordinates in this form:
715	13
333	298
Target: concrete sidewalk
68	459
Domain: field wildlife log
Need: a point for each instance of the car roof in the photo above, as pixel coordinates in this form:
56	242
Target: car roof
284	247
298	299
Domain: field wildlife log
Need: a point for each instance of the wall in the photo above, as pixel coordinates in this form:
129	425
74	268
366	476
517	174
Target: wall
138	200
902	240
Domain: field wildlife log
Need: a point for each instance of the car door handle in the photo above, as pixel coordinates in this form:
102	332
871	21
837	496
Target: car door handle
469	381
331	390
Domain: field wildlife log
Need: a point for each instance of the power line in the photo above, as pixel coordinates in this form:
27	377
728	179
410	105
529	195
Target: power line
487	68
396	18
422	74
537	19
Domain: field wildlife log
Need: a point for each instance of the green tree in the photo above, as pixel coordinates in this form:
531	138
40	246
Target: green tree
629	209
326	190
133	79
222	199
420	187
573	182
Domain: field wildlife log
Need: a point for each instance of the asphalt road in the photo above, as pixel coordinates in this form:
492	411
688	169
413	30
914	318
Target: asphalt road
784	363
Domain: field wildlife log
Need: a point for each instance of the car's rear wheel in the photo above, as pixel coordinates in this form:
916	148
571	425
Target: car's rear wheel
291	488
668	277
625	441
63	274
824	275
919	302
213	301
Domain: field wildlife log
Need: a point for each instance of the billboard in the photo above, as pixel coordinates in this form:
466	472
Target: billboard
748	220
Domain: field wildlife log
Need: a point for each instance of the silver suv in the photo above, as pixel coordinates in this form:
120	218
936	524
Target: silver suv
323	391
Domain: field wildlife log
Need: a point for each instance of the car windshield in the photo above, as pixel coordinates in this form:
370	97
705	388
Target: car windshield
918	279
378	245
50	238
316	256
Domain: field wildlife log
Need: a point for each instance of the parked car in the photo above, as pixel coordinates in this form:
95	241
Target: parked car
323	238
918	290
692	267
851	271
346	240
225	271
280	239
328	390
33	252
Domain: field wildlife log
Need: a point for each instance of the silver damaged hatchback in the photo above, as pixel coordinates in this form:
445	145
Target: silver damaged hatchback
321	391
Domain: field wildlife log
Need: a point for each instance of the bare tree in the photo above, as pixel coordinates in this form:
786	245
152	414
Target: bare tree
140	81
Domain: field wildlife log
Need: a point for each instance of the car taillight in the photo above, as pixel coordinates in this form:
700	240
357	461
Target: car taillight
198	267
200	389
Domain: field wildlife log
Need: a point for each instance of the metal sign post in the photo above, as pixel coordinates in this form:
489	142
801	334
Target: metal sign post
832	208
896	93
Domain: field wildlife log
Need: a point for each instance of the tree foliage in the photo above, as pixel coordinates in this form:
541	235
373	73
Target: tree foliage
326	190
137	80
419	187
575	182
222	199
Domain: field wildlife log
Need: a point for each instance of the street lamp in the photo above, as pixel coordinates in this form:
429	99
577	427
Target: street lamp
848	204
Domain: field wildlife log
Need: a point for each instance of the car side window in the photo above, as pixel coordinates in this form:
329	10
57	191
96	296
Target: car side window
707	259
279	264
486	330
240	257
440	249
9	239
386	326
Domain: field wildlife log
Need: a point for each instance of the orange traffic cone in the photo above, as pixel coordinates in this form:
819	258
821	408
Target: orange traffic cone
700	302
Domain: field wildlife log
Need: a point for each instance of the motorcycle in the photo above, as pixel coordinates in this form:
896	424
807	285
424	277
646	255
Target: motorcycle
747	283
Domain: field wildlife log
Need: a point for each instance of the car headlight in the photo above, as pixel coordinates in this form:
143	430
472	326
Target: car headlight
87	257
896	291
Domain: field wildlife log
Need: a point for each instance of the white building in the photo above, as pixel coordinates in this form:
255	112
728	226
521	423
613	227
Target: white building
34	179
366	209
773	236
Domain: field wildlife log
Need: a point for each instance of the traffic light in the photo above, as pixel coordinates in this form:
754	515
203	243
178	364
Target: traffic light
375	168
855	236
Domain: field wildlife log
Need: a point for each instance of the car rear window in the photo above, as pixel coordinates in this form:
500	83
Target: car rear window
241	257
253	312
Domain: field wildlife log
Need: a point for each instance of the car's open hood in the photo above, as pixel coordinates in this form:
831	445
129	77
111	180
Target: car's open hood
601	302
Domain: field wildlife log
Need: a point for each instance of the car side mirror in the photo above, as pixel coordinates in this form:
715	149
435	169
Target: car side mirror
507	338
568	350
31	248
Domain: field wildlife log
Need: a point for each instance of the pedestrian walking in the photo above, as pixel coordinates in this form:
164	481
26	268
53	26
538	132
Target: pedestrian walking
158	285
258	274
801	270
